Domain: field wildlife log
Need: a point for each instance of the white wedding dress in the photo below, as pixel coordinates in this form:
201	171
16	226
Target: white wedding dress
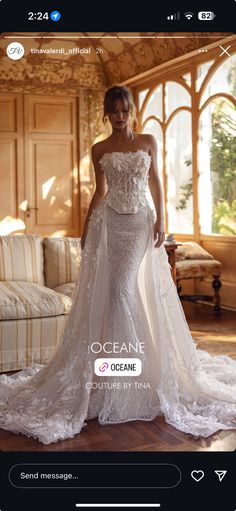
124	295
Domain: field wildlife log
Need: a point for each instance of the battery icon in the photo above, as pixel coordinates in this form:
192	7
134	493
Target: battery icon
206	15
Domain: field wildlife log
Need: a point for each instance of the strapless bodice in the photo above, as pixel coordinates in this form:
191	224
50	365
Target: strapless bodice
127	180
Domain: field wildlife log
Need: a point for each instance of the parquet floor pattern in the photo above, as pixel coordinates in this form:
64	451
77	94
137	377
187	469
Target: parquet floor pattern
214	334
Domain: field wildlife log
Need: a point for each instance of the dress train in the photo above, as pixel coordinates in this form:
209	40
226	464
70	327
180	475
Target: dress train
125	295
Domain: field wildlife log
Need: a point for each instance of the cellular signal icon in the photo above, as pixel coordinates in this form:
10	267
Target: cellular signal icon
175	16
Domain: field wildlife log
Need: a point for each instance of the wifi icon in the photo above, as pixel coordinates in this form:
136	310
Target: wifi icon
188	15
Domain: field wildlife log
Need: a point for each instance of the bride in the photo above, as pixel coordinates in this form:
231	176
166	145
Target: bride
124	306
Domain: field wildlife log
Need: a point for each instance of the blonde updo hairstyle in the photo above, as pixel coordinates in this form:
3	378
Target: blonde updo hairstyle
122	93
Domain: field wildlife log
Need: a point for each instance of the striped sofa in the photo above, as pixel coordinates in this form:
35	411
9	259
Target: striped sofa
37	278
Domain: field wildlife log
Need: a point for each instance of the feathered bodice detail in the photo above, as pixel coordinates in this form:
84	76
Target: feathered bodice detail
127	179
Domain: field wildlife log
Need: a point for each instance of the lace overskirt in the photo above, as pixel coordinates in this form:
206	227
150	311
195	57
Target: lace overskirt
124	295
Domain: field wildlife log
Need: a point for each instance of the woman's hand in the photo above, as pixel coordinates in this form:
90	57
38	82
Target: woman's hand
159	233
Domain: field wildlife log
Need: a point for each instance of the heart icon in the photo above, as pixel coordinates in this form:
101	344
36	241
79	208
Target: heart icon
197	475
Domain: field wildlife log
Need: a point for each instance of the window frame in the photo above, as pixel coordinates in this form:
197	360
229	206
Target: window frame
174	70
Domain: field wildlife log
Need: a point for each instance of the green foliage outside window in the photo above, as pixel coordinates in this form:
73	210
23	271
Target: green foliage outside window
223	168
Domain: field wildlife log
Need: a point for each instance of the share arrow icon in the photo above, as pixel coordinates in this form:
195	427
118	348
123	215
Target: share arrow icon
221	474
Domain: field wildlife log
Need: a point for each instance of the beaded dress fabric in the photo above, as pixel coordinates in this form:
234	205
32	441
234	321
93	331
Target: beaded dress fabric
124	296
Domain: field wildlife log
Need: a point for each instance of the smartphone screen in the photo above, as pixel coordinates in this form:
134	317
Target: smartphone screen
117	257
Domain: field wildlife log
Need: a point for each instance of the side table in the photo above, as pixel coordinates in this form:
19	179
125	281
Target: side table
170	249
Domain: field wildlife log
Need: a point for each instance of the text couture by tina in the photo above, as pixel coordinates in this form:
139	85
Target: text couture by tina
118	385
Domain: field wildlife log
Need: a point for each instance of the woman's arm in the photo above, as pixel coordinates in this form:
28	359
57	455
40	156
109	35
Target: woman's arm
156	192
100	189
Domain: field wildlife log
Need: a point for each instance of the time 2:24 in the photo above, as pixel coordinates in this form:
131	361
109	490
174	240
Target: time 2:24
38	16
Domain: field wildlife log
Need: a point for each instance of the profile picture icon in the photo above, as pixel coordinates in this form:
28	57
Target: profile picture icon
15	51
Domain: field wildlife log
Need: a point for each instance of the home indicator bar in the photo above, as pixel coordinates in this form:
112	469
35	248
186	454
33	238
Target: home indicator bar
119	505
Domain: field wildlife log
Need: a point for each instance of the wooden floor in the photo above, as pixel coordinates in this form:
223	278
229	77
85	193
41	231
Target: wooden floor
216	334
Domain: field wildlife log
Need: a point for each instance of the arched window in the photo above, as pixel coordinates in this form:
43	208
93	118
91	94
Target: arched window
217	150
191	109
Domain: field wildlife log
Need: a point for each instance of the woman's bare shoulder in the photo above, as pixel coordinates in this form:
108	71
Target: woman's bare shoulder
99	149
147	140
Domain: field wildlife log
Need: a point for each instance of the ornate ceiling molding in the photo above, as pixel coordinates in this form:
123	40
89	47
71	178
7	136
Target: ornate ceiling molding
89	60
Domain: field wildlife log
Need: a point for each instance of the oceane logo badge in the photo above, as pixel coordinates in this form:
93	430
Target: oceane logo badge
118	366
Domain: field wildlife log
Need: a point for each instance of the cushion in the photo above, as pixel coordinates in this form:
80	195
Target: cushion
20	300
191	250
61	260
29	341
65	289
21	258
190	269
